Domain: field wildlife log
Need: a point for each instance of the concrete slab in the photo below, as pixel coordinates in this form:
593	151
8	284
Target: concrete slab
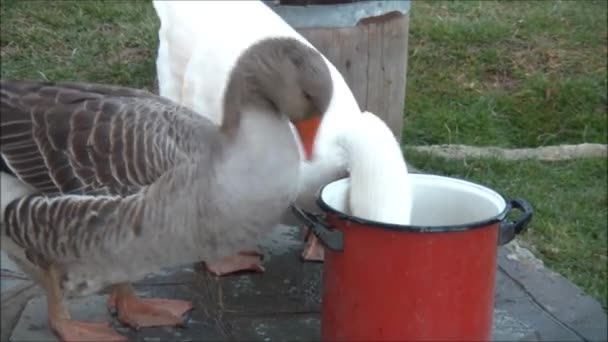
284	303
11	275
559	299
8	264
239	326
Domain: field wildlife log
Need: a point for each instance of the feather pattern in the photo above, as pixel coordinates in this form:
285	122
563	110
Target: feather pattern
67	228
61	139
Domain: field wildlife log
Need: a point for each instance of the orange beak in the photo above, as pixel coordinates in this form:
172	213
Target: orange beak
307	129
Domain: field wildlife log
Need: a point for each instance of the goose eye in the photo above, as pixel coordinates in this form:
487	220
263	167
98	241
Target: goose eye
307	96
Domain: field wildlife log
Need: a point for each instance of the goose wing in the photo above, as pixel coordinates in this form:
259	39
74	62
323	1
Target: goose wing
64	228
77	137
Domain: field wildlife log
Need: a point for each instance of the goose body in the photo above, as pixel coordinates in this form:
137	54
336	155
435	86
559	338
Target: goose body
190	46
128	182
201	186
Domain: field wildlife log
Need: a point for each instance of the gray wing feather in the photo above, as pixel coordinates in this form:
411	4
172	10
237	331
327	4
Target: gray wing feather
69	227
75	137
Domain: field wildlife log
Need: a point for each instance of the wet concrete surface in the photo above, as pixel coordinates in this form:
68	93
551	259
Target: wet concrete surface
532	303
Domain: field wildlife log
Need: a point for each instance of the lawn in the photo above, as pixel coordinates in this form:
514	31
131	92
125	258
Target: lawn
519	74
105	42
510	74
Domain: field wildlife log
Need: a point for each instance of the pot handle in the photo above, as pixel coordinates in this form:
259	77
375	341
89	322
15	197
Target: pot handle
508	229
331	238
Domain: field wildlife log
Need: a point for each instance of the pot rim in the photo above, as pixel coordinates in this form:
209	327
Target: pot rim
328	209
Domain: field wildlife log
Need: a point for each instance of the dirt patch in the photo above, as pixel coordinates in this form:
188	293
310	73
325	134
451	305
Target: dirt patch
130	55
8	51
108	28
500	79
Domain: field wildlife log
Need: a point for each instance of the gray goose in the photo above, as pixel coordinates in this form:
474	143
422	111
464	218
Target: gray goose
129	182
189	49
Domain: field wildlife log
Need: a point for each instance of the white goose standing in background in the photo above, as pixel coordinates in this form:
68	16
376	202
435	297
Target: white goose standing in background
199	43
139	182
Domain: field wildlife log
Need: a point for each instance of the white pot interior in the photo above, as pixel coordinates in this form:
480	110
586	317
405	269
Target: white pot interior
437	200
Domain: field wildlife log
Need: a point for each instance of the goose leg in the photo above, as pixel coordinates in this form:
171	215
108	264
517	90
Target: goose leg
243	261
313	249
143	313
61	322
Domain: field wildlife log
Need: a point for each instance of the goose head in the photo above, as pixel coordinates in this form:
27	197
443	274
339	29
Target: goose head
285	77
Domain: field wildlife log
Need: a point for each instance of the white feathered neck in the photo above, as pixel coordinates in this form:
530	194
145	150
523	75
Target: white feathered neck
380	187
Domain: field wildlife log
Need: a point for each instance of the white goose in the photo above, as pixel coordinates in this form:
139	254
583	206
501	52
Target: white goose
206	38
139	182
380	188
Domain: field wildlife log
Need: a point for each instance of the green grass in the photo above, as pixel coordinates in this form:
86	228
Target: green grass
106	42
508	73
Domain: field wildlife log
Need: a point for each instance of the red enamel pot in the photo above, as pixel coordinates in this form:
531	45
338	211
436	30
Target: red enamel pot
432	280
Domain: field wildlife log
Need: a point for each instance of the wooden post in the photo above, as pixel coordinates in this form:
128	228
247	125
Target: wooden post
366	41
